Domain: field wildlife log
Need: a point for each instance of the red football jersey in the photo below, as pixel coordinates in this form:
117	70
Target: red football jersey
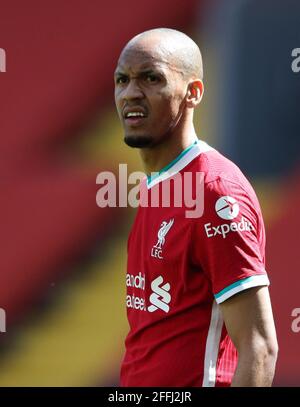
180	268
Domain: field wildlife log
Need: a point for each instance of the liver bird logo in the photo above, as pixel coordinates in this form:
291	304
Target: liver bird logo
163	230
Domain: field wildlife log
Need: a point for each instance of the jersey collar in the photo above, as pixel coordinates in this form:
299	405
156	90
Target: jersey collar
181	161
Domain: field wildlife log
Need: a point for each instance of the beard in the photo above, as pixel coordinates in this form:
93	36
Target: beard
138	141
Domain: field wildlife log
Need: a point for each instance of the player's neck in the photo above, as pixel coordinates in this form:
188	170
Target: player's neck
156	158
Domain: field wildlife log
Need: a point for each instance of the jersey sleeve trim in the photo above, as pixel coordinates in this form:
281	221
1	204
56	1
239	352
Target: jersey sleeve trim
241	285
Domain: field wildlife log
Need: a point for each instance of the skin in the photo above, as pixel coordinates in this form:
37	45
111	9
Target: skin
249	322
153	74
148	76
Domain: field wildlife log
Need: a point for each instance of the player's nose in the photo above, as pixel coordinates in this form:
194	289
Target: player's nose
132	91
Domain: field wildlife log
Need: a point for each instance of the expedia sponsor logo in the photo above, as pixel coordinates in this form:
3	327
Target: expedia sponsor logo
223	230
227	207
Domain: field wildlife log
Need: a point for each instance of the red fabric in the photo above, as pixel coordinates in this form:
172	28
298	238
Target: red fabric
167	346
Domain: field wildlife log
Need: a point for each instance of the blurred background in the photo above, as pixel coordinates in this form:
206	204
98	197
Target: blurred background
63	259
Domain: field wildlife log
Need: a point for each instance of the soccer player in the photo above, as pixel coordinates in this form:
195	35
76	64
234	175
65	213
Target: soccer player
197	290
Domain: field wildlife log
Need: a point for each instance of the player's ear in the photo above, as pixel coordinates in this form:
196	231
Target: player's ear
194	93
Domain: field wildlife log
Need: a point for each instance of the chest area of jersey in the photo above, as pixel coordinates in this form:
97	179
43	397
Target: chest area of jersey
159	239
157	260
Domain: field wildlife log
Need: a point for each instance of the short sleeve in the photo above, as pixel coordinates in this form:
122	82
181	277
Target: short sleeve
229	239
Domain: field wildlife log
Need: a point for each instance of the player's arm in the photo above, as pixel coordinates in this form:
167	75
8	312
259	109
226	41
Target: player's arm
249	321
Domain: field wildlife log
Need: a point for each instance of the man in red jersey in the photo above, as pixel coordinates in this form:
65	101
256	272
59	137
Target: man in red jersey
197	300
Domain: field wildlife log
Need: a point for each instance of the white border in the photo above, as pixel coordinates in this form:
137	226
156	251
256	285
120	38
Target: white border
200	147
212	347
255	281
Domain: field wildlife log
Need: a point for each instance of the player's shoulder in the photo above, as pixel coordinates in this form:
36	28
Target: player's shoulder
216	167
221	176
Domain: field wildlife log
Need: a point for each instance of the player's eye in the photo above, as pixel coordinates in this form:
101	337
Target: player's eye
121	80
152	78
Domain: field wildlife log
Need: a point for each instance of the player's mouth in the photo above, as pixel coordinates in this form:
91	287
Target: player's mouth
135	116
